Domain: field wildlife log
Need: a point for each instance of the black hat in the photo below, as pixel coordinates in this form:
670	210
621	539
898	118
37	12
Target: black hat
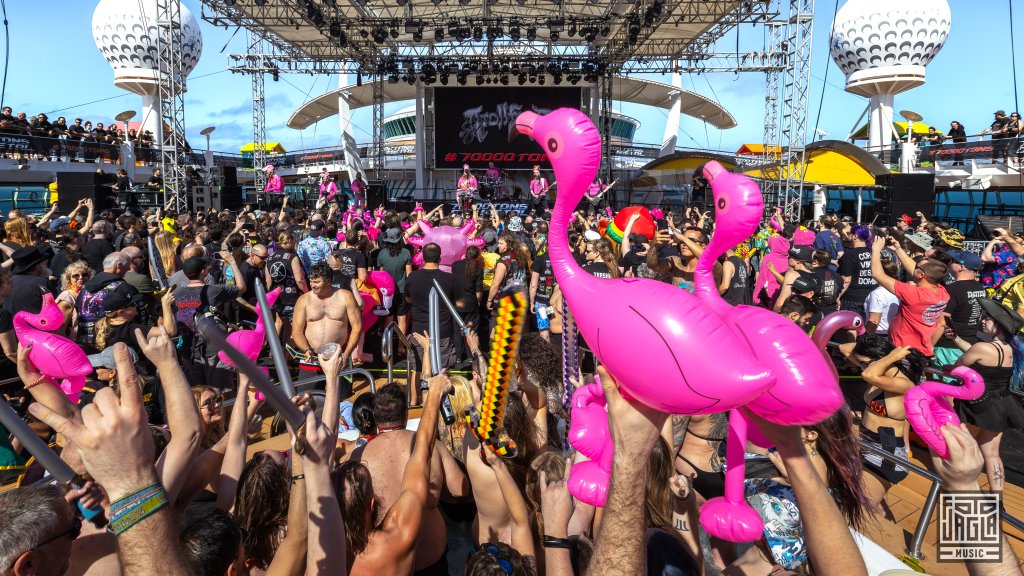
194	266
802	253
1009	320
25	259
804	284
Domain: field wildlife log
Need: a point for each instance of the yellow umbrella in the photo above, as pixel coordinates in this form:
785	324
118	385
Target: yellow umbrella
920	128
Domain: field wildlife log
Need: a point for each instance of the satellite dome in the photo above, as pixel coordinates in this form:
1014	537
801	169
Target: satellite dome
126	34
871	34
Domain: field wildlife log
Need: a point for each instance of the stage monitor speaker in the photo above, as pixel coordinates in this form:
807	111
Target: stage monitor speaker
985	225
376	193
224	176
75	186
903	194
231	197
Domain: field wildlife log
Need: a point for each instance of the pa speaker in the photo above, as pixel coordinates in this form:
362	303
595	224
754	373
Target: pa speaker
75	186
376	193
903	194
231	197
224	176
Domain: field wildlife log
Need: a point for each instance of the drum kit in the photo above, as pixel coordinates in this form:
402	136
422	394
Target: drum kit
494	189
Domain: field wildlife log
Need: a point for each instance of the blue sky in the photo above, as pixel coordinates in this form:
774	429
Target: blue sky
60	71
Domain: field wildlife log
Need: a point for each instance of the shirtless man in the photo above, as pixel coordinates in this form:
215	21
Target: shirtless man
325	315
395	448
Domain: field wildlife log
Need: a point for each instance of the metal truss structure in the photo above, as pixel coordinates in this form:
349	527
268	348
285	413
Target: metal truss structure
259	111
378	130
785	115
171	95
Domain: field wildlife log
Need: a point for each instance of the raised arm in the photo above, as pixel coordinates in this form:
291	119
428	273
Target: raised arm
877	272
234	455
332	401
556	506
325	550
875	373
290	558
183	421
90	205
522	533
776	220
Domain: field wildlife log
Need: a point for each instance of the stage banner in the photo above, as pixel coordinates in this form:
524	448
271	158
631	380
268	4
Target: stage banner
471	125
981	149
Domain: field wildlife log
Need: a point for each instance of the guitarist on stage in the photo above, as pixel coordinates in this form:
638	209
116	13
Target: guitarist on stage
595	193
539	192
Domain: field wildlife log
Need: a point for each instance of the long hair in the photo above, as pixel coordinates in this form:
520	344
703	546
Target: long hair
516	250
165	246
837	444
876	346
658	501
552	463
353	487
17	231
261	507
604	250
474	262
211	434
523	431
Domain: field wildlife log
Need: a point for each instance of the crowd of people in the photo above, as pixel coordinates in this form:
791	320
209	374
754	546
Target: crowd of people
65	133
168	461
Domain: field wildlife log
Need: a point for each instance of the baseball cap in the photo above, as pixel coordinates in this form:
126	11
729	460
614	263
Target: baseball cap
56	223
1000	112
591	235
105	359
907	219
804	284
802	253
968	260
920	239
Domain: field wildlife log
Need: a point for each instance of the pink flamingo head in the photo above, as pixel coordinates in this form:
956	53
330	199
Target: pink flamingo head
49	317
738	205
569	138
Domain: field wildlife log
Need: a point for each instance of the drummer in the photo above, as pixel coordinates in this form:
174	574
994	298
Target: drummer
492	172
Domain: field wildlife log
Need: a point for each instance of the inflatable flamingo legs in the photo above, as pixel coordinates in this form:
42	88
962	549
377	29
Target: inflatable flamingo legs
694	362
928	411
55	356
589	435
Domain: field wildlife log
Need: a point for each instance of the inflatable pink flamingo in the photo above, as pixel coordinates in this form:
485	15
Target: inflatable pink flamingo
805	392
453	242
250	342
384	284
54	355
667	348
928	411
588	434
832	323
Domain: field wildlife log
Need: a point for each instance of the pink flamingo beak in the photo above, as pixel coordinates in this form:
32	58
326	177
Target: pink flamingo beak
713	170
523	125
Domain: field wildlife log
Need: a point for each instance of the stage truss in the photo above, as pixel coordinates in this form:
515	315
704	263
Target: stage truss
492	42
171	96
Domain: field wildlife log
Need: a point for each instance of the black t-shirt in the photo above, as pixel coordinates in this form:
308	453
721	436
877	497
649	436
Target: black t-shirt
123	183
76	130
598	269
741	287
829	285
418	286
468	286
351	260
545	279
631	260
27	293
964	309
855	263
341	281
155	183
95	251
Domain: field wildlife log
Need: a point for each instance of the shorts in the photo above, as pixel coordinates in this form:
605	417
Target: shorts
543	319
886	440
448	358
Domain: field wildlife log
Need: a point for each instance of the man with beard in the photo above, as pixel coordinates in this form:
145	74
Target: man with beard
325	315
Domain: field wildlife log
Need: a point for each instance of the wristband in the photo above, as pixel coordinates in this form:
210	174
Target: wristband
134	497
553	542
136	512
298	477
39	381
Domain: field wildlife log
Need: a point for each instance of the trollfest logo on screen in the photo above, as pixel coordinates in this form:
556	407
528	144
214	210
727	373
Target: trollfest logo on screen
478	123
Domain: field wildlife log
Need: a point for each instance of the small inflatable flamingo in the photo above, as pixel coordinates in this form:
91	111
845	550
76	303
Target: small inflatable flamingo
928	411
453	242
54	355
806	390
832	323
589	435
250	342
667	348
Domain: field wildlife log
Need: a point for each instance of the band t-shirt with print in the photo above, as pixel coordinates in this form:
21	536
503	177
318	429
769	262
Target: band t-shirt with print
920	311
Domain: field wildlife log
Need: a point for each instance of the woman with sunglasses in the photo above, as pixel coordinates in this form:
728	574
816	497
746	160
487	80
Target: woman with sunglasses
71	282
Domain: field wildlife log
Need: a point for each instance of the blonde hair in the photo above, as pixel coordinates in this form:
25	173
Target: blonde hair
211	434
164	242
79	267
17	231
463	394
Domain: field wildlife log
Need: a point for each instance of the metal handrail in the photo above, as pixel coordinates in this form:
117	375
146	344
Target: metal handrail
387	350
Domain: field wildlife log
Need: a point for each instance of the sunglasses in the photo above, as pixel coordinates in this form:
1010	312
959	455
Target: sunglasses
213	402
81	276
72	533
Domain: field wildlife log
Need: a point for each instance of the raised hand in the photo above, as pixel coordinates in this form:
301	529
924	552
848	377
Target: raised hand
556	503
159	349
960	471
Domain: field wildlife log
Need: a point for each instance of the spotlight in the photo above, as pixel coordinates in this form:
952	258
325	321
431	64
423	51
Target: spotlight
478	33
331	3
402	2
522	79
540	80
444	79
479	79
531	33
380	35
394	33
521	2
514	33
417	36
411	26
364	33
436	2
335	28
342	40
591	35
572	29
494	32
554	36
464	2
606	31
504	80
260	2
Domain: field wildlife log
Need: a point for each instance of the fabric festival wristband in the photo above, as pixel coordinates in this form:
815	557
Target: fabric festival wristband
135	497
552	542
137	513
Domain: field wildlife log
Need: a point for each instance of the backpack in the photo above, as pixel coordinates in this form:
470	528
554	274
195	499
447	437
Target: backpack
90	310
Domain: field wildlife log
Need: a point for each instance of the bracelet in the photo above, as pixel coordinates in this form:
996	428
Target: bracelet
134	513
134	497
38	382
553	542
298	477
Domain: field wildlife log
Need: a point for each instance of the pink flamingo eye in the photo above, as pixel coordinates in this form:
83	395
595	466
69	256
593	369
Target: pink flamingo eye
857	322
722	203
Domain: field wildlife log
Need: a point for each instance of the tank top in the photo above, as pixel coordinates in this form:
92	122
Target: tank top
740	291
997	378
280	268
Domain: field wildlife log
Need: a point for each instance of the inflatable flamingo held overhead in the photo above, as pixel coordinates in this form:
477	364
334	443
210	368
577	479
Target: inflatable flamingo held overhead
928	411
453	242
666	348
250	342
805	392
830	325
55	356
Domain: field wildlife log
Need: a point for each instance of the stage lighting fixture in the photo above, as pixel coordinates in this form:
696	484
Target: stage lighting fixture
514	33
436	2
444	79
438	34
394	33
335	28
402	2
533	79
478	33
380	35
331	3
342	40
540	80
556	24
531	33
521	2
417	36
364	33
554	36
504	80
522	79
591	35
572	29
411	26
494	32
464	2
606	31
479	79
260	2
229	2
